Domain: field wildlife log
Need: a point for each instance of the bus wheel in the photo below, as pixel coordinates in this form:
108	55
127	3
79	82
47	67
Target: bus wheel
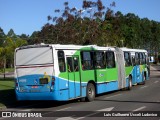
129	83
83	99
90	92
144	79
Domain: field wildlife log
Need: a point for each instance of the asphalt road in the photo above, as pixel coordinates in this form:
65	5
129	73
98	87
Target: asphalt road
140	99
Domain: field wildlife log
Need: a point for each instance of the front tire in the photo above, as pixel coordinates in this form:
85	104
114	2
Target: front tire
90	92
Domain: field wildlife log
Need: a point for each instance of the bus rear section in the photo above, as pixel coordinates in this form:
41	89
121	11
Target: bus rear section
34	73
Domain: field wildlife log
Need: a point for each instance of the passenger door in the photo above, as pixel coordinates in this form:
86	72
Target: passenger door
137	71
74	80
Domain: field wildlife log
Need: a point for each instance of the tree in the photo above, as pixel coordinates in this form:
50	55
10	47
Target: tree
35	38
2	36
11	34
99	25
7	52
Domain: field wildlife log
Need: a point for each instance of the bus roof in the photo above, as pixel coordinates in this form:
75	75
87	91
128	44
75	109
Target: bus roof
67	47
133	50
76	47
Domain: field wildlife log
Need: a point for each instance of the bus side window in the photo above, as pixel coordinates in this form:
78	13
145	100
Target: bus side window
127	59
133	60
69	64
76	64
137	61
141	58
87	60
110	59
144	58
99	60
61	61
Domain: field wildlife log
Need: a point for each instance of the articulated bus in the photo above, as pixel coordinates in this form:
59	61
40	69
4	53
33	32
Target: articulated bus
136	65
65	72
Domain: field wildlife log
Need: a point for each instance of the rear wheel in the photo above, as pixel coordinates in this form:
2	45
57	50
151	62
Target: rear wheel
90	92
144	79
83	99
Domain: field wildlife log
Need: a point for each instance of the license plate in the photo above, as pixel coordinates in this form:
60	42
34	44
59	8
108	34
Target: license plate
34	86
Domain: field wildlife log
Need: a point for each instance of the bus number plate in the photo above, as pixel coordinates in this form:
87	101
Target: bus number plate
43	80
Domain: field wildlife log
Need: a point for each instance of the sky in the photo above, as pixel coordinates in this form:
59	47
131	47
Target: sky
27	16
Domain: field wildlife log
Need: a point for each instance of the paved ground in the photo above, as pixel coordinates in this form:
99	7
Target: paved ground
140	99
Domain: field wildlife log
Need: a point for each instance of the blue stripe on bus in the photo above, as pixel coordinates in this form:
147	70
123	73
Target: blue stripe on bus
107	87
61	89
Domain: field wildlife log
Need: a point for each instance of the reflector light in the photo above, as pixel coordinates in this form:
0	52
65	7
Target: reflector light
52	82
53	78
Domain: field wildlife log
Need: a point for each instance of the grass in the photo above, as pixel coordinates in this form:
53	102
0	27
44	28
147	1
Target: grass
7	94
6	84
7	70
